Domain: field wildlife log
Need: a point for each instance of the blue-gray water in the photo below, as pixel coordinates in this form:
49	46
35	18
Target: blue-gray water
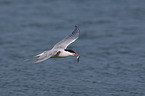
111	46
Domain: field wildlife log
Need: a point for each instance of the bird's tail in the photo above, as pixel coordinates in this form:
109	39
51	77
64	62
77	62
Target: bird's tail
35	56
31	58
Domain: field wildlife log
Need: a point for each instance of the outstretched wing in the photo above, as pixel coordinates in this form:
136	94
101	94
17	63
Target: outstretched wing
46	55
68	39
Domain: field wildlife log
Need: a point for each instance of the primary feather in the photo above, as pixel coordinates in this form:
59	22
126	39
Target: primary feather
68	39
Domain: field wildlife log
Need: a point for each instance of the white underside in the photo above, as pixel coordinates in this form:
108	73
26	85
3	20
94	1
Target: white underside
62	54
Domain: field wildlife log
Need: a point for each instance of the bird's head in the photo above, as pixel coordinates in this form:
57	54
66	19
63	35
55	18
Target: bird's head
73	53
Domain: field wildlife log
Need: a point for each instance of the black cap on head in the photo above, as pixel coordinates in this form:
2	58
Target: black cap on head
69	50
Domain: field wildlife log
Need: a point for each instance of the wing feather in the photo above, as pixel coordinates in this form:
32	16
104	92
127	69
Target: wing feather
68	39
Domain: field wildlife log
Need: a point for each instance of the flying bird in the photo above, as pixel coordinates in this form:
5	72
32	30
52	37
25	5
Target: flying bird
60	49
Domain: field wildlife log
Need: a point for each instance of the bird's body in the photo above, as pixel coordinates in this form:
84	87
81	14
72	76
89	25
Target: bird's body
59	50
62	54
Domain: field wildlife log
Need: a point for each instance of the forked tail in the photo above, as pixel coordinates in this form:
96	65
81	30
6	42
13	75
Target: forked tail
31	58
35	56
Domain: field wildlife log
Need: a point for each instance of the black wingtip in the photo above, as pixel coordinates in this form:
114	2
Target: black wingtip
76	28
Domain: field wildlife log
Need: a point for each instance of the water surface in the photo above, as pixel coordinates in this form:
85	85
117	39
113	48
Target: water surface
111	46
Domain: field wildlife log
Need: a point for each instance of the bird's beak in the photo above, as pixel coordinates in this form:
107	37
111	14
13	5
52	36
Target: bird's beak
78	57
